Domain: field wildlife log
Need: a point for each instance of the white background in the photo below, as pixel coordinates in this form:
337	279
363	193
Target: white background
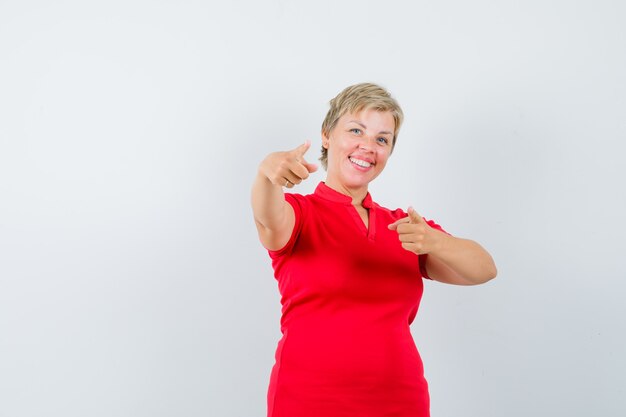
131	279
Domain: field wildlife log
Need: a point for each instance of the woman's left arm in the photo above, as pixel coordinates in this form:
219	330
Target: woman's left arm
449	259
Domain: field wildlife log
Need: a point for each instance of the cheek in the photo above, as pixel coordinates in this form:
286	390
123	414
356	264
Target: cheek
344	148
383	156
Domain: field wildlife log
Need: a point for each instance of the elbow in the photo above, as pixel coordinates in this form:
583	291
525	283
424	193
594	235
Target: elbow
489	273
486	274
484	268
489	270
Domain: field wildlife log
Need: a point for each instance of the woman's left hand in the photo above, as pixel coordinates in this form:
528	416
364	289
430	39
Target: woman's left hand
416	235
453	261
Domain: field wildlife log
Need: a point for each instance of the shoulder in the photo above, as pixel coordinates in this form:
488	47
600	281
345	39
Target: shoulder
306	201
302	205
299	202
394	214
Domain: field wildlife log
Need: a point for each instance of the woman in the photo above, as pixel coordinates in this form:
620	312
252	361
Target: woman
350	271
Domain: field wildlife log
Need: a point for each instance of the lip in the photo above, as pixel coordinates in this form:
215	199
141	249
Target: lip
364	159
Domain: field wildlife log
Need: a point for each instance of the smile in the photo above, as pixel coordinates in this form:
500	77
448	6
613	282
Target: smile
360	162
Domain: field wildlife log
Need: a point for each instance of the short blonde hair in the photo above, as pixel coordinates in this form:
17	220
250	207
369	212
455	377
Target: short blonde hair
356	98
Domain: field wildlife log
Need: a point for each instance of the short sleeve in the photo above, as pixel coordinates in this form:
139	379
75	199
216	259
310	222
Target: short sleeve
422	258
298	202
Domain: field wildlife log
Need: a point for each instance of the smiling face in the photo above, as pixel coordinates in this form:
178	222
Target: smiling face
358	148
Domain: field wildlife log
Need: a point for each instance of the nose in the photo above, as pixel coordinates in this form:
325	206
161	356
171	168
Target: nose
367	143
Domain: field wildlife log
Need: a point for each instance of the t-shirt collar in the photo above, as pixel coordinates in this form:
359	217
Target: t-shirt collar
327	193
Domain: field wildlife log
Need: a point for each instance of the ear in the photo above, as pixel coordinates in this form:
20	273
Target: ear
325	141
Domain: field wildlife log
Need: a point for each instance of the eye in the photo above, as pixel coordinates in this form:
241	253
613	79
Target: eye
383	140
356	131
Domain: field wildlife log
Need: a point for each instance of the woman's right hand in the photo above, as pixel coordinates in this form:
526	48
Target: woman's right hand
287	168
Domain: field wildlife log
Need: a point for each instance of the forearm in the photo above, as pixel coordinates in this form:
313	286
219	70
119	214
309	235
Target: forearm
268	203
460	261
274	217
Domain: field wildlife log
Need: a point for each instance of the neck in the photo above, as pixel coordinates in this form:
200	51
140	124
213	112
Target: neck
357	194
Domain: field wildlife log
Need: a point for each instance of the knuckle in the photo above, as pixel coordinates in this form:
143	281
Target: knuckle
273	178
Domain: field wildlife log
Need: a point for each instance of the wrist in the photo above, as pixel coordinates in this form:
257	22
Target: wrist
442	242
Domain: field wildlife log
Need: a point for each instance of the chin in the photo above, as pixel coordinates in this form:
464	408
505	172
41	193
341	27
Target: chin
358	182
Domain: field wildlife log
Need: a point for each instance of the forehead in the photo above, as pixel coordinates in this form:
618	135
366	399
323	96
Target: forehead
371	119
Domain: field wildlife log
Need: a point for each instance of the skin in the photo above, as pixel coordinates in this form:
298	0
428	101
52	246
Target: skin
359	147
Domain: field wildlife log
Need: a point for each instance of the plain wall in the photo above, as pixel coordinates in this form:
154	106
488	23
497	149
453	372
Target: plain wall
132	282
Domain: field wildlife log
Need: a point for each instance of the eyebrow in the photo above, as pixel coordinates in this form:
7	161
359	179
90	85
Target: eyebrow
384	132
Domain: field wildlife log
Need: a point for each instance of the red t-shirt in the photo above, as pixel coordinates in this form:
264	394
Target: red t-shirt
349	294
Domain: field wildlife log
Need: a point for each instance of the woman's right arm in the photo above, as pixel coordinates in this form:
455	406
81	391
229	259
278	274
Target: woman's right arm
273	216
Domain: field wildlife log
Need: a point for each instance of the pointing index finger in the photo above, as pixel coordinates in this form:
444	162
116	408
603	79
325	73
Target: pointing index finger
414	216
302	149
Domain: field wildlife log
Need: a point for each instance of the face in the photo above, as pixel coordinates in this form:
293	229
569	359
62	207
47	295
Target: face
358	149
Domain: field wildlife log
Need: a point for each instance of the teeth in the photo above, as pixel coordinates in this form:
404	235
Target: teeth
360	163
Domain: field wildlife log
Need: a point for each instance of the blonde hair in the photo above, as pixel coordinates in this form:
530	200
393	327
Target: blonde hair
358	97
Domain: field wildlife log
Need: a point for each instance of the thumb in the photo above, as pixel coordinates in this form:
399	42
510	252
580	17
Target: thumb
394	225
414	217
310	167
